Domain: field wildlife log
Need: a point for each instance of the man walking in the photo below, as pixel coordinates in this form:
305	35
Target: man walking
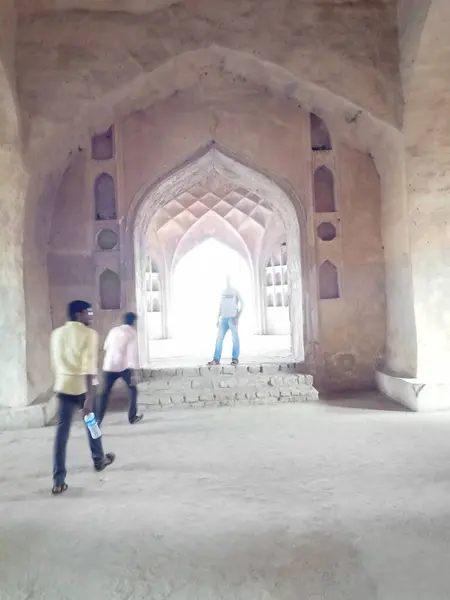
231	307
74	349
121	358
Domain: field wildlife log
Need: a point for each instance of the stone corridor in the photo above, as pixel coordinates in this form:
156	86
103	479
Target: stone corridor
320	502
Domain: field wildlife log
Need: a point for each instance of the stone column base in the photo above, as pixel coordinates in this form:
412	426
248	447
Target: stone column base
418	396
29	417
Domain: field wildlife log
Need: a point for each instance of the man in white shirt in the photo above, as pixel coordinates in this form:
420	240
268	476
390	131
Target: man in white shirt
121	358
231	307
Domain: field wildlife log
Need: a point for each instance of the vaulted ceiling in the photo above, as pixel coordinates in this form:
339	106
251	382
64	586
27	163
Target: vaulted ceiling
215	206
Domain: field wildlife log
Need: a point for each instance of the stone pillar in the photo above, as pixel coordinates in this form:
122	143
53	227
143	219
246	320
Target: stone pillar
427	139
13	183
13	368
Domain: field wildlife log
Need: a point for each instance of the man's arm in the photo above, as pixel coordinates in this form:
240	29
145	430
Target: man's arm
89	369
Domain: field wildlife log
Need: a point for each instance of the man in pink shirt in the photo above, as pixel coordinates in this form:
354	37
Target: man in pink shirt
121	358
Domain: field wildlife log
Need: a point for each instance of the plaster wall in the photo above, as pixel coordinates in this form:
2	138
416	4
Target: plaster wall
273	136
13	185
352	327
427	142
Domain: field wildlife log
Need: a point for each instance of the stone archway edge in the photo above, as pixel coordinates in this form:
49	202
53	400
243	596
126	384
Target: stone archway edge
155	195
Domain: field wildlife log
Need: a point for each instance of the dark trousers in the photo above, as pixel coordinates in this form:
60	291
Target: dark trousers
109	379
67	405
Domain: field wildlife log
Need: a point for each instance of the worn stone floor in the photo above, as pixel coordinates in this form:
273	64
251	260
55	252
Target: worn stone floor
323	502
191	353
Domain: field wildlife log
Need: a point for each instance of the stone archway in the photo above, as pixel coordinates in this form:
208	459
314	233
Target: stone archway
153	198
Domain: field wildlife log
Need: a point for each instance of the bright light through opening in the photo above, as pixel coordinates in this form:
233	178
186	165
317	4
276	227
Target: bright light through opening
198	282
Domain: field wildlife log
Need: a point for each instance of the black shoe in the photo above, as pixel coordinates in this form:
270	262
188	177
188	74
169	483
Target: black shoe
213	362
137	419
235	362
108	460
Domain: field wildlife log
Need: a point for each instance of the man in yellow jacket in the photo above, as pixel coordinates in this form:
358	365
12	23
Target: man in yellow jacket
74	356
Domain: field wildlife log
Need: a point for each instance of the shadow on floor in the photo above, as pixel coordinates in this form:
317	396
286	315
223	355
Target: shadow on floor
362	400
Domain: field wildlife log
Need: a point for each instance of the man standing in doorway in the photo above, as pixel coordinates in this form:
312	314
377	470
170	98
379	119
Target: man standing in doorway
231	307
74	355
121	359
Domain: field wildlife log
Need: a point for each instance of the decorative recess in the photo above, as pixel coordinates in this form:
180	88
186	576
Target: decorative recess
102	145
326	232
328	281
107	239
324	191
105	198
110	290
277	280
320	136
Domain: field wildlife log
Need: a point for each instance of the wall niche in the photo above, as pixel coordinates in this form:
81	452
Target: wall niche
109	290
107	239
320	136
324	201
326	232
105	198
328	281
102	145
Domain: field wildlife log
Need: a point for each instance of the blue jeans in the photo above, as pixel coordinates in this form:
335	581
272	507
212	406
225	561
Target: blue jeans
224	326
109	379
67	406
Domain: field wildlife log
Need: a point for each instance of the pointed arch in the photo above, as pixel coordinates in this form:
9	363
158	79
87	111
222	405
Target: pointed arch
191	172
105	198
324	198
328	281
109	290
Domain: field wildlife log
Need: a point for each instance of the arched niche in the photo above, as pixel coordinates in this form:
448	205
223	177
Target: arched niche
320	136
324	199
109	290
102	145
328	281
105	198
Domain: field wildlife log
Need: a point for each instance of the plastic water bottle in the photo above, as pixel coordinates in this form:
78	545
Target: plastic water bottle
92	425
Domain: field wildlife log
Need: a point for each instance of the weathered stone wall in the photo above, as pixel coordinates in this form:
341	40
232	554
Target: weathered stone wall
353	327
427	141
340	61
350	49
272	135
13	183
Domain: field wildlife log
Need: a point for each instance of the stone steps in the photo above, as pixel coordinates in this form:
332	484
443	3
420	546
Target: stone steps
225	386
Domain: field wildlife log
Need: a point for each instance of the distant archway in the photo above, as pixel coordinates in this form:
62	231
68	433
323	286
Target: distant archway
198	280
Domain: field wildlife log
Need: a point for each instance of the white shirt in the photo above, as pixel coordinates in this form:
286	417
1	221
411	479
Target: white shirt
121	349
229	303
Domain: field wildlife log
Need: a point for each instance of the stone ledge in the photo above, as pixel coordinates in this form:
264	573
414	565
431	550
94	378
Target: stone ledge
418	396
28	417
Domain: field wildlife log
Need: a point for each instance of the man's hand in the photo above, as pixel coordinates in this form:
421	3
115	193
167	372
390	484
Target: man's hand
88	406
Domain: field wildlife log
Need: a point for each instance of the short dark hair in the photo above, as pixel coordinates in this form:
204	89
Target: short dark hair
129	318
76	307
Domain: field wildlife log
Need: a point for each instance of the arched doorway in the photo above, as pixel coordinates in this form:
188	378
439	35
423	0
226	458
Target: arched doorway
198	280
221	197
